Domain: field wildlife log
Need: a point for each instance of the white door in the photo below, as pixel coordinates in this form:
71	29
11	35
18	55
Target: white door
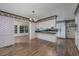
70	31
61	29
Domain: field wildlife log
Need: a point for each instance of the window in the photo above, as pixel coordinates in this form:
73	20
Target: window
26	29
22	29
15	29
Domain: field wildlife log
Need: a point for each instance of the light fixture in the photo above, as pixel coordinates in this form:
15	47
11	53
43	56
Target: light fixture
33	18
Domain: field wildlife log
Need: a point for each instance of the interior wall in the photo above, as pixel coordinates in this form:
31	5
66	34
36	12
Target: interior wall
6	31
77	30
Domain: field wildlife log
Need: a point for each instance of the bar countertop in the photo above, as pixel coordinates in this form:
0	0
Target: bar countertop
47	32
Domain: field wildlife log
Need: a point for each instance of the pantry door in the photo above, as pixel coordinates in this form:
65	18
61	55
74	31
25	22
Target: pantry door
61	29
70	29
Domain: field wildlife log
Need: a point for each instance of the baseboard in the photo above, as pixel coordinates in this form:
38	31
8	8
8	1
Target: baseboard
70	38
60	38
64	38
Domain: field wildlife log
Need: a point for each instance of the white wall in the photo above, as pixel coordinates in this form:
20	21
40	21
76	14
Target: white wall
6	31
19	22
77	30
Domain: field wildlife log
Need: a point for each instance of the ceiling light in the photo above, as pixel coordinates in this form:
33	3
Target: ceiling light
33	18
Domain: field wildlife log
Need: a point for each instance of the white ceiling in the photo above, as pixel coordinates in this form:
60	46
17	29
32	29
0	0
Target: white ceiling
64	11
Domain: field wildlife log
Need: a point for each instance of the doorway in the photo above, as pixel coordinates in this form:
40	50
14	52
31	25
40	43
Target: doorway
70	29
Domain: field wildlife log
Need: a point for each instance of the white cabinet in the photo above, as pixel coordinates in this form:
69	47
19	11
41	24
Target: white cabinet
61	29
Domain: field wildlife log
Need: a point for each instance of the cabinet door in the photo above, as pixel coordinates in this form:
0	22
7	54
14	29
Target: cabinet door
61	29
58	27
70	31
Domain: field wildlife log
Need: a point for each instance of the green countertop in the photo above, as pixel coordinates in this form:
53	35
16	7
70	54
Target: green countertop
47	32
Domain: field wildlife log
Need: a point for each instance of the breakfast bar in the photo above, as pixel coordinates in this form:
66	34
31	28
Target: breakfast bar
49	35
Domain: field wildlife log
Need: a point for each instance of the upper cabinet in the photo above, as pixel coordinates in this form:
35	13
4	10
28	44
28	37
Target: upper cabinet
46	23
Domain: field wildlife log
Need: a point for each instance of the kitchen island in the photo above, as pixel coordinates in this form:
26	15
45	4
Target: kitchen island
49	35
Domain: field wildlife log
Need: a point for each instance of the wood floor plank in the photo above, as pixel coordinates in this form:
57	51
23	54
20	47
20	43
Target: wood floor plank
38	47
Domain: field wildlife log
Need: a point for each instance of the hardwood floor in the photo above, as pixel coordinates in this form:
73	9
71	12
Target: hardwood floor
38	47
67	47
